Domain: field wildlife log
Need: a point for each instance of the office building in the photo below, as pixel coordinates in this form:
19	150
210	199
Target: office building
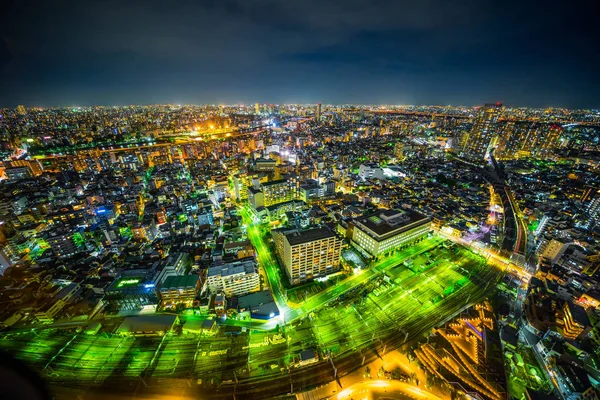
307	254
384	231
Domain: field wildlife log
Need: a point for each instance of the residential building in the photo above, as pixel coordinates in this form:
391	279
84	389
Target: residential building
307	254
180	289
480	138
234	279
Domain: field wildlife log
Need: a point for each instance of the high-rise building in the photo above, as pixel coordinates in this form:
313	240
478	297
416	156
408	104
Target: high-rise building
21	109
318	114
523	139
307	254
257	108
573	321
482	135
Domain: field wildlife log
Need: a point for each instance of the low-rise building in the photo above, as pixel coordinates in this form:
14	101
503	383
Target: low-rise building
131	293
235	278
147	325
48	312
387	230
260	305
180	289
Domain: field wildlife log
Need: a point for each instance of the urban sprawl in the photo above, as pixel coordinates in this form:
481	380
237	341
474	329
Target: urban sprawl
316	251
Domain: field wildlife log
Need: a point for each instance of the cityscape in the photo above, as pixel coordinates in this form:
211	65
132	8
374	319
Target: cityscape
299	200
308	251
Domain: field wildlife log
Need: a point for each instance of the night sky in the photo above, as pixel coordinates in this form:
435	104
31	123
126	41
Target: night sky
88	52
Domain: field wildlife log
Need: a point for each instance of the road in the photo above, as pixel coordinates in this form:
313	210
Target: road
273	272
382	309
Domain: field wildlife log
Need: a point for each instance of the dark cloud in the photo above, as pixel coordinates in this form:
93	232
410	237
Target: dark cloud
429	51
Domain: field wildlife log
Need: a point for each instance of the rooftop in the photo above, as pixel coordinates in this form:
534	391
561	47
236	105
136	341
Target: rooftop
275	182
180	281
309	235
147	323
233	268
388	222
255	299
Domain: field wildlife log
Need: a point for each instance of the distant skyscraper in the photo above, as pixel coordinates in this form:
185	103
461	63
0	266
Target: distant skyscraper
21	110
479	139
318	115
524	139
257	108
592	211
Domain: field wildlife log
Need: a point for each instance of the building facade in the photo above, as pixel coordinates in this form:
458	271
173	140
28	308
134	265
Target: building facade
307	254
180	289
234	279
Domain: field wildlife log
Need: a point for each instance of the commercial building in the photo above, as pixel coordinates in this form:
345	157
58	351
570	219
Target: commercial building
147	325
180	289
234	279
384	231
131	293
307	254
